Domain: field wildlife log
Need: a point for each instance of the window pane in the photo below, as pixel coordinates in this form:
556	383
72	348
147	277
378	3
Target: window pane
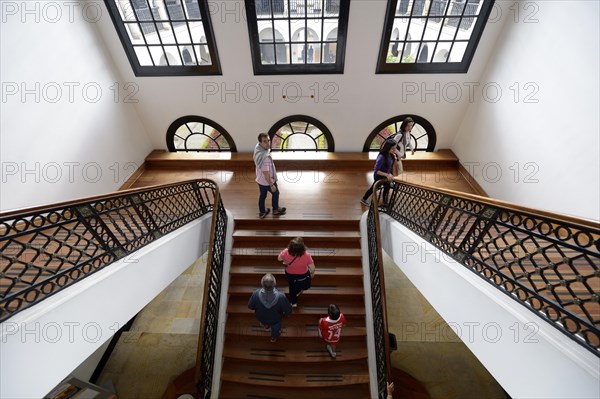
282	53
267	54
416	29
466	28
203	55
143	56
314	30
441	52
196	142
298	53
150	34
423	32
313	54
192	9
173	55
332	35
166	34
432	30
332	8
458	51
449	29
329	53
399	29
183	35
198	35
299	142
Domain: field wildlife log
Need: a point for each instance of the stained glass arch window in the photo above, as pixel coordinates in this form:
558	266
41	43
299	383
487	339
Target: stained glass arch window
301	133
198	134
423	136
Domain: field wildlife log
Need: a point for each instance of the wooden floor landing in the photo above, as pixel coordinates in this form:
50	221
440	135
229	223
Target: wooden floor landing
327	189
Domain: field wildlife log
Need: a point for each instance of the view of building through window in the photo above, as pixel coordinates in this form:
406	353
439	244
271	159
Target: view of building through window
299	34
165	33
438	32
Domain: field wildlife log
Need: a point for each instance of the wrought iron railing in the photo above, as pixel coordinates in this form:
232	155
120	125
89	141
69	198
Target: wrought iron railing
549	263
44	250
382	341
207	339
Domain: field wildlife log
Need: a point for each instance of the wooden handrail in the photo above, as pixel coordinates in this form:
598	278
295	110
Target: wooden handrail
82	200
510	205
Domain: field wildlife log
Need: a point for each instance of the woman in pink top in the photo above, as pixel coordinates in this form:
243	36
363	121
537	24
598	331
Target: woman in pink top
300	268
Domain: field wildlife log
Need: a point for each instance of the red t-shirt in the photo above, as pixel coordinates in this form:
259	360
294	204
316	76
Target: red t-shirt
298	266
332	329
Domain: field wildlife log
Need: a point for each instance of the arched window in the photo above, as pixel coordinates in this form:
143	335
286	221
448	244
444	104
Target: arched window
423	134
195	133
300	133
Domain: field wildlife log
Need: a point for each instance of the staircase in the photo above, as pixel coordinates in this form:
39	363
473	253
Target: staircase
297	365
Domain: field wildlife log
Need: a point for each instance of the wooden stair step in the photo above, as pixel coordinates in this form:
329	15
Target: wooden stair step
297	224
240	306
293	327
317	253
279	269
271	261
351	367
281	238
243	391
293	349
315	290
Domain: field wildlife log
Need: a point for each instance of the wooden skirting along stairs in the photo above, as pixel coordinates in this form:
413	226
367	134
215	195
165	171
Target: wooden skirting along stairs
297	365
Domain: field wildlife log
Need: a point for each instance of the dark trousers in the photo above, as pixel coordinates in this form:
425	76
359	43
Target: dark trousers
263	196
369	192
297	283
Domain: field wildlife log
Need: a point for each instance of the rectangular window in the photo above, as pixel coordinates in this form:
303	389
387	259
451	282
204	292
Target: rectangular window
297	36
431	36
166	37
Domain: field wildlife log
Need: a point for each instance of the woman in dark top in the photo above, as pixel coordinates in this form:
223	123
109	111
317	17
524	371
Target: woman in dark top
384	165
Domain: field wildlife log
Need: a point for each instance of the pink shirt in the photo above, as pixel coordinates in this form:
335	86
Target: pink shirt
300	265
267	166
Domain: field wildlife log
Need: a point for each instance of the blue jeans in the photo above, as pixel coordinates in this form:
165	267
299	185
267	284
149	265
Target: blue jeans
276	329
263	196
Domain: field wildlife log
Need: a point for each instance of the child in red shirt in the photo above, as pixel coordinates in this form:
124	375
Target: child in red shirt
330	328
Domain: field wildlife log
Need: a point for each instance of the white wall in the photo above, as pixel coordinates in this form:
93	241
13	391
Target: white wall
540	148
53	338
63	132
351	105
525	354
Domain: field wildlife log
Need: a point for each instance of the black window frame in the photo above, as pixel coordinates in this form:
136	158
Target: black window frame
199	119
292	68
431	67
306	119
431	133
176	70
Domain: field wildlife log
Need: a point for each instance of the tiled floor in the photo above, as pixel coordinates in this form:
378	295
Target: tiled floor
163	340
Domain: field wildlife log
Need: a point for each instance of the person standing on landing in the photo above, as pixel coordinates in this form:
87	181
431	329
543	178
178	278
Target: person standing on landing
266	177
330	328
402	138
